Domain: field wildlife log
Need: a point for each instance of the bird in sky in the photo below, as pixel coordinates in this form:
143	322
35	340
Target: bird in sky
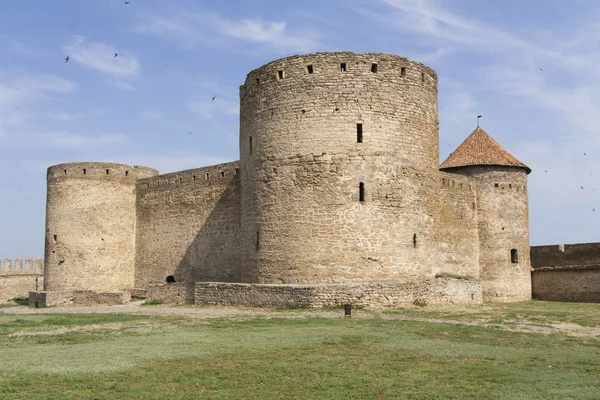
213	99
126	2
115	55
67	58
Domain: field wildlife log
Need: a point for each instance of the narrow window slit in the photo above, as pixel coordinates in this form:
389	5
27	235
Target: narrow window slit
280	74
207	176
374	68
403	71
250	144
222	174
65	171
343	67
514	256
237	171
54	237
359	133
107	172
180	181
361	192
194	178
415	240
84	171
126	173
422	76
310	69
257	240
257	81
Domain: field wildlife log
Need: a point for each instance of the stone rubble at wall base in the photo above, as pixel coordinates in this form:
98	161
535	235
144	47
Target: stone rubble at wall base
77	298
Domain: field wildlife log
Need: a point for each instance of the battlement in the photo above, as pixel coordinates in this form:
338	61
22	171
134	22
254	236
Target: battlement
206	176
99	171
457	182
337	67
30	267
578	256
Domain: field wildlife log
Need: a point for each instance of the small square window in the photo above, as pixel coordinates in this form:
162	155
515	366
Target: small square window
280	74
310	69
403	71
374	68
343	67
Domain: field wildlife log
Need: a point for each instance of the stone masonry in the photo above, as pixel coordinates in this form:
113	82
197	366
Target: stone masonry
338	186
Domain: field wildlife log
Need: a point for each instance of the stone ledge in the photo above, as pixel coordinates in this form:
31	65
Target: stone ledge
77	298
377	294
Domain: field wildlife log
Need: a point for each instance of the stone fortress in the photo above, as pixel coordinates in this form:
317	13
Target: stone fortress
338	197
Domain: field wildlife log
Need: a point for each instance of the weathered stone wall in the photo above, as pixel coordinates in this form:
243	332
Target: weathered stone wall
77	298
567	284
17	279
457	235
188	226
569	272
566	255
90	226
383	294
503	221
171	293
302	167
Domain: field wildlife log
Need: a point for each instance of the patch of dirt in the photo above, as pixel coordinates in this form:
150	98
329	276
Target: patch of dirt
207	313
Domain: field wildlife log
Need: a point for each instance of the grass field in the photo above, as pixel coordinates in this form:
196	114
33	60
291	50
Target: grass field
295	355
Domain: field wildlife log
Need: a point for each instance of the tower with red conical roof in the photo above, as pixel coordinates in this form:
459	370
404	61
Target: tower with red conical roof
502	212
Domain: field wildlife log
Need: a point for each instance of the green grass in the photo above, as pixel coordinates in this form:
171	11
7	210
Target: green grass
299	358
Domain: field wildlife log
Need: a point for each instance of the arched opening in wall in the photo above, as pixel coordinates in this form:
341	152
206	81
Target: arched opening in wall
54	237
361	192
415	240
170	279
359	133
237	171
514	256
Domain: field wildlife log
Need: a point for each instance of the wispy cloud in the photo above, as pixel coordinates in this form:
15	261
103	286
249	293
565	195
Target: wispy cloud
74	141
100	57
152	115
192	28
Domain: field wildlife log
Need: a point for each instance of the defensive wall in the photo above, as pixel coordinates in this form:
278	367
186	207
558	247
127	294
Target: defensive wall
566	272
188	226
18	278
338	183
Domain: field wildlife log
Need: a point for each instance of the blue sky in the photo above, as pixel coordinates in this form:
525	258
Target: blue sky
529	67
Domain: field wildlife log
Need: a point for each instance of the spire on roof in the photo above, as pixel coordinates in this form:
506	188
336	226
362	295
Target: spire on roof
480	149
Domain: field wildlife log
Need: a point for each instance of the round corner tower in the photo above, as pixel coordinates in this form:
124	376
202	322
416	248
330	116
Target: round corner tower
502	213
339	163
90	226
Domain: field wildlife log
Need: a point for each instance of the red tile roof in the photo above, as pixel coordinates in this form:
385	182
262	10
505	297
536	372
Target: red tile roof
480	149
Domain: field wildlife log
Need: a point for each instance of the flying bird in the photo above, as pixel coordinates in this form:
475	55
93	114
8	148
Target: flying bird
115	55
541	69
67	58
213	99
126	2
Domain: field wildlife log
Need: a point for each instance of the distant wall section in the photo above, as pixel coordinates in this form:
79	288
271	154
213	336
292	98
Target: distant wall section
188	225
18	279
569	272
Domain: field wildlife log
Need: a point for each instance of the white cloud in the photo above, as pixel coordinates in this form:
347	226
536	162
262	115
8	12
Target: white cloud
193	28
100	57
73	141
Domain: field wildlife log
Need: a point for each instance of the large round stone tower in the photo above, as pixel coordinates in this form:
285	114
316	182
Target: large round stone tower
503	215
90	226
338	163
